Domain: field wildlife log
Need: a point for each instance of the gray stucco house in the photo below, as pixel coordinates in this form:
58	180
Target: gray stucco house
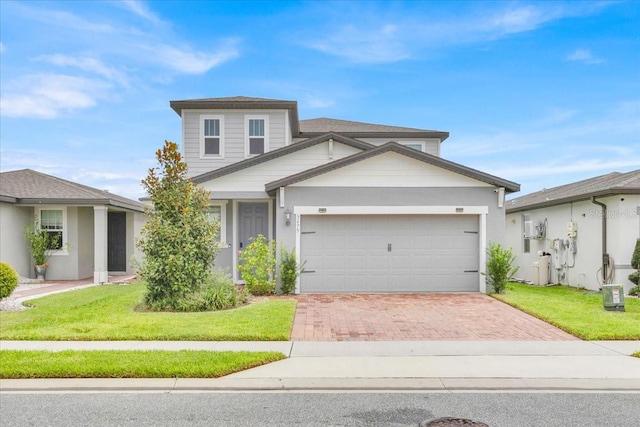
588	227
370	208
98	228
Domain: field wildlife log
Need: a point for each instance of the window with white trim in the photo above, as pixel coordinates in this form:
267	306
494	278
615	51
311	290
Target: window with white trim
256	135
53	221
218	212
211	136
416	145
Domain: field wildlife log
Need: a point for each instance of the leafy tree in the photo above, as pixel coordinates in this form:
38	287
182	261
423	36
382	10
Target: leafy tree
500	269
178	240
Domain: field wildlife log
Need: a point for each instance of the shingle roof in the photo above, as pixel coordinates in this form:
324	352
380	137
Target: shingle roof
397	148
599	186
310	127
28	187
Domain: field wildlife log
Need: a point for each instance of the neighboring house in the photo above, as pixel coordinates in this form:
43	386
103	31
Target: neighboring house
369	208
97	227
569	222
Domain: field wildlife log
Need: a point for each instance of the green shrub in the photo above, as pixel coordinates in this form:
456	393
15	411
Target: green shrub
289	270
178	241
40	243
258	265
500	269
217	293
635	263
8	279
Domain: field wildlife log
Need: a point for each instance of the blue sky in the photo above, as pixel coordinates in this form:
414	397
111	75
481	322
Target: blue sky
542	93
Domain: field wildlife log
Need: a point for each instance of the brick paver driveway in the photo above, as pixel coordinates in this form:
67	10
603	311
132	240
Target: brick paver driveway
414	317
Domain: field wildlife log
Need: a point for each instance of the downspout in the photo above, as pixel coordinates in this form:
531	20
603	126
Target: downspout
605	255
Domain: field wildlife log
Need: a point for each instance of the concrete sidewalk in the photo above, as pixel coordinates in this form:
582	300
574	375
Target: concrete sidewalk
399	365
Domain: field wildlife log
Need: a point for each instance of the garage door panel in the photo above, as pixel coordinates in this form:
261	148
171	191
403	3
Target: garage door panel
350	253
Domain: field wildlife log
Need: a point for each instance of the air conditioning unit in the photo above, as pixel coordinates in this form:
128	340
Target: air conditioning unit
534	230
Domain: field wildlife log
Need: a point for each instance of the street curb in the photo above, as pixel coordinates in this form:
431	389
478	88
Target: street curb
318	384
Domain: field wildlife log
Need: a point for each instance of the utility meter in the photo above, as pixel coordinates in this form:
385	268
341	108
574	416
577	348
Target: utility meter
572	229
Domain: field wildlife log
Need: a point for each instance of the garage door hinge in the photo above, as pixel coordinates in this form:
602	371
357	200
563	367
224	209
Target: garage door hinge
307	232
471	232
471	271
307	271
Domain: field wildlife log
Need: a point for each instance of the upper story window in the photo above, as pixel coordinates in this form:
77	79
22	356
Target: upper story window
416	145
256	135
211	136
53	221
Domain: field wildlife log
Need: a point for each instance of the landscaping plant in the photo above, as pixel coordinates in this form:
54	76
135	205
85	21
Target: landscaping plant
500	268
40	243
635	276
258	265
178	240
289	270
218	292
8	280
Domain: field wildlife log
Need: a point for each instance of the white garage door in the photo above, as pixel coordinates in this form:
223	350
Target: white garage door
389	253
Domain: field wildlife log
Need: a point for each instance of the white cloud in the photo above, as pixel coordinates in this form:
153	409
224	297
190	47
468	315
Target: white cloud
398	37
141	9
583	55
48	95
364	45
186	60
89	64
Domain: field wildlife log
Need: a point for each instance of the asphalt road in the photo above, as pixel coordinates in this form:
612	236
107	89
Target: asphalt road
318	409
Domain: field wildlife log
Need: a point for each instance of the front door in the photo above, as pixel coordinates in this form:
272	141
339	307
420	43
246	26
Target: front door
117	245
253	219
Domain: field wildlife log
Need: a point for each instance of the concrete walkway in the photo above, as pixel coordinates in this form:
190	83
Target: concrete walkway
398	365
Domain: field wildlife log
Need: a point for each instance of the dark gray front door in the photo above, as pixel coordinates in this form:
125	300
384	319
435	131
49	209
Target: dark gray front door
253	219
117	245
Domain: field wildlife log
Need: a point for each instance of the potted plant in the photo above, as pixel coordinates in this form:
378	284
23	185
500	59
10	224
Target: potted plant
40	243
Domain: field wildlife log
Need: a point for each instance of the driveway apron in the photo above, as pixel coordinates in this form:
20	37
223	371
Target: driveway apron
415	317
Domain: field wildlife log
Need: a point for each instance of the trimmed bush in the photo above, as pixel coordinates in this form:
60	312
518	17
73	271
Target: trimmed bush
289	270
217	293
8	279
500	269
635	263
258	265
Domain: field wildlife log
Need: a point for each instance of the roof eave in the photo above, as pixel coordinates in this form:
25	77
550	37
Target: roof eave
283	151
579	198
83	202
417	134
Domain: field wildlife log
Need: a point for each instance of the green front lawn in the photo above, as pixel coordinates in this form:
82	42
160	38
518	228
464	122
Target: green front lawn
108	312
129	364
576	311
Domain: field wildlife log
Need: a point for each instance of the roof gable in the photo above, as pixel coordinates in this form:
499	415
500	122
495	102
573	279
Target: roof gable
247	163
399	149
603	185
27	186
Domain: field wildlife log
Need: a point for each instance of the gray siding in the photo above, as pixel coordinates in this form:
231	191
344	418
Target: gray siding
224	259
13	245
234	134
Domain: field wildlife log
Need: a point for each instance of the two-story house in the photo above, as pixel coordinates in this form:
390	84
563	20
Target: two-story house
370	208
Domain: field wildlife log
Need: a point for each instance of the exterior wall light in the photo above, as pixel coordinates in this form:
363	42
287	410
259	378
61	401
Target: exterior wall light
287	217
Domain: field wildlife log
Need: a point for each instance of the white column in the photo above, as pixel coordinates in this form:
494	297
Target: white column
100	229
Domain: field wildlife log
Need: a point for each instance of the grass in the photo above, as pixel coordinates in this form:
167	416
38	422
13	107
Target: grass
128	364
575	311
108	312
